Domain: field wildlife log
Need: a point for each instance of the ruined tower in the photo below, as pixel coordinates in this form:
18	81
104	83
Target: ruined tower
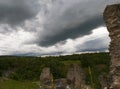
112	20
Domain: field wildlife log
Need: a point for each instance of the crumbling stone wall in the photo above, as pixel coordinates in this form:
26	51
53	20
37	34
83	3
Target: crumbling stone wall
45	75
75	79
76	76
112	20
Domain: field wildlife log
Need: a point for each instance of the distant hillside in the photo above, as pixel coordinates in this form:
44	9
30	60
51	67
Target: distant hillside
29	68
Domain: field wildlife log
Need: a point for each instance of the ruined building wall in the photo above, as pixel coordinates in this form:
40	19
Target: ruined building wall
112	20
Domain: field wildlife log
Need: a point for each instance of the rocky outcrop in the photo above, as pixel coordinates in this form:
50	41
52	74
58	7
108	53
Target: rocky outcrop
112	19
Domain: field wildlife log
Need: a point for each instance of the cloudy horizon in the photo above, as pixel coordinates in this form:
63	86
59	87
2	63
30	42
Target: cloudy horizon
52	27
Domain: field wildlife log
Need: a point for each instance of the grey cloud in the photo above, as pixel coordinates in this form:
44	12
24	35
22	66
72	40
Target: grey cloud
56	21
25	54
17	11
71	19
73	32
17	53
99	44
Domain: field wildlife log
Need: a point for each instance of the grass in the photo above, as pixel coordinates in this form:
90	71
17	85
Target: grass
69	62
12	84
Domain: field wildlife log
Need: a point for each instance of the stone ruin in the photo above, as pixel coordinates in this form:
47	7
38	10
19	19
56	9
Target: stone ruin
45	75
112	20
76	76
103	81
47	82
75	79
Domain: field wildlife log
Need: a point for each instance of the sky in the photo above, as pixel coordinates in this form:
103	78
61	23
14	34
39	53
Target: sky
53	27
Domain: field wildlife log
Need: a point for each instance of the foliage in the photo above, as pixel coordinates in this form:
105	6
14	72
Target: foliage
29	68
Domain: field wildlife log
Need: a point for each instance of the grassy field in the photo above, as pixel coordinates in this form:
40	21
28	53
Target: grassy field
12	84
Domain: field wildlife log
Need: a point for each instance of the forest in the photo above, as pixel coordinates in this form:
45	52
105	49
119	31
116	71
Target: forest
20	68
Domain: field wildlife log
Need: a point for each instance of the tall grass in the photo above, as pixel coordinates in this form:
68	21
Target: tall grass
52	82
91	77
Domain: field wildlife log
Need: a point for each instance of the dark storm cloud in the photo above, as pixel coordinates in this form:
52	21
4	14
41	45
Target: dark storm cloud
16	11
73	32
71	19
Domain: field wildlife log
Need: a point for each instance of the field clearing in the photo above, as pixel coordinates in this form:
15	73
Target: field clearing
69	62
12	84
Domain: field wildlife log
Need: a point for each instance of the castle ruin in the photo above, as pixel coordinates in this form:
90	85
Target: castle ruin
112	20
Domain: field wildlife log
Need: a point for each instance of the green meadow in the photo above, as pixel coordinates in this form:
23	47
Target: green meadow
13	84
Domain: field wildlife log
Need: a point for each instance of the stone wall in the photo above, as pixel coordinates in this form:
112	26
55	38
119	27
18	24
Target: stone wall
76	76
45	75
112	20
75	79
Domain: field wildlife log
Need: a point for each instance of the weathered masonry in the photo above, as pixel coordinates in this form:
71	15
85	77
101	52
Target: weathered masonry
112	20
